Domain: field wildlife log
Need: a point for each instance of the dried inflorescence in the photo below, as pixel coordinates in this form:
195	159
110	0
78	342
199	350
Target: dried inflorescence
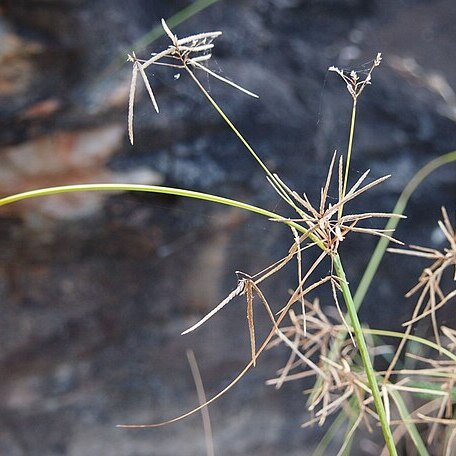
325	227
186	53
432	297
339	383
356	85
326	224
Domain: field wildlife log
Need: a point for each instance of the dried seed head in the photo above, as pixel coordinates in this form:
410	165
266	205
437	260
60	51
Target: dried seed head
431	296
356	85
378	59
187	53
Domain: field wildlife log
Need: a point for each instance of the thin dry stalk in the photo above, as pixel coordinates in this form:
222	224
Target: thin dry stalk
338	381
250	322
450	444
299	261
202	400
431	297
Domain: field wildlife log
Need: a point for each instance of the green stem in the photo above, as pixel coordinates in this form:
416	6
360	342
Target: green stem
148	189
364	353
349	153
137	188
231	125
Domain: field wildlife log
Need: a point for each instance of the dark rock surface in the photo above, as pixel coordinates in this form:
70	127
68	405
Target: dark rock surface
95	291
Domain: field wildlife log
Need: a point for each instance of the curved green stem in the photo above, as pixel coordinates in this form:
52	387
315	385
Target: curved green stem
136	188
148	189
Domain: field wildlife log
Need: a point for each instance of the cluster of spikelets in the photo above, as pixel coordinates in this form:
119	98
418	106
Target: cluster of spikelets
312	334
187	54
432	297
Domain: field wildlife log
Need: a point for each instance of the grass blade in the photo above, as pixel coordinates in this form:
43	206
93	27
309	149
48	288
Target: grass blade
411	428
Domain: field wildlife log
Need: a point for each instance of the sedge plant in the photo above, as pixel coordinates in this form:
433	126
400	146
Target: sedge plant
319	227
332	347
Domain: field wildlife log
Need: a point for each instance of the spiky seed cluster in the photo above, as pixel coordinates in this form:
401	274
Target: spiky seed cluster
356	85
432	297
325	224
183	53
341	385
324	227
339	381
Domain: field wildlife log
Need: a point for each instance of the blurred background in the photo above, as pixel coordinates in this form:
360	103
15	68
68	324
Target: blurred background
96	288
